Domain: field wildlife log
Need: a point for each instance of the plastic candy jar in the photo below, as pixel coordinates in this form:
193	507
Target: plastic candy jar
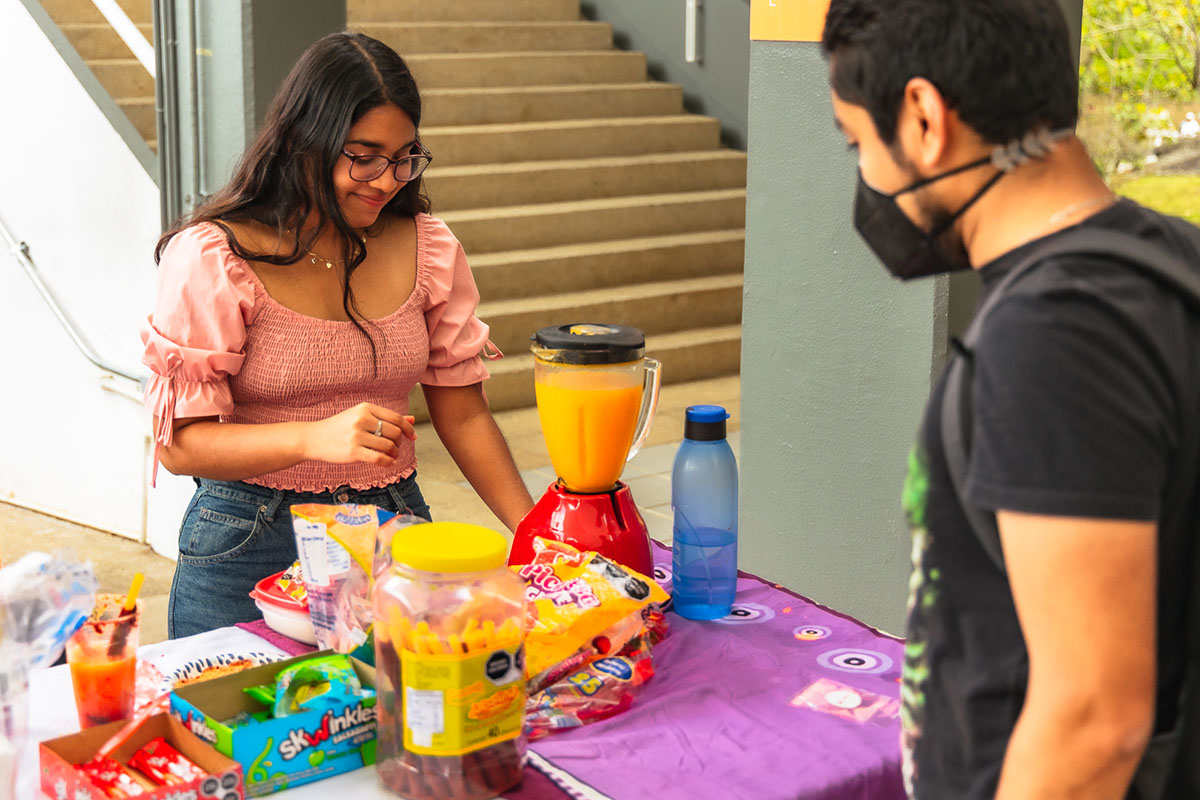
450	661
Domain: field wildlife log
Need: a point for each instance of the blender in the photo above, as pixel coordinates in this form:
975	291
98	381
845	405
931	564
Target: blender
596	397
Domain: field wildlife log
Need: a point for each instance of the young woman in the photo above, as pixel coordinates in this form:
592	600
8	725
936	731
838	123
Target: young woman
296	310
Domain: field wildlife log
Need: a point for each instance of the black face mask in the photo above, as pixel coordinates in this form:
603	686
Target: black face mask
906	250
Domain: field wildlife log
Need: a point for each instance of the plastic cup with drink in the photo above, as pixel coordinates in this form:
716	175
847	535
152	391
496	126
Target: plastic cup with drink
102	656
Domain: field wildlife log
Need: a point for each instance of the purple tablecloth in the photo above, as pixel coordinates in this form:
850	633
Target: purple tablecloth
782	699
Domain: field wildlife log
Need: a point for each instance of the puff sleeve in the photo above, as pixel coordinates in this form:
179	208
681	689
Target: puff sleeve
457	337
194	338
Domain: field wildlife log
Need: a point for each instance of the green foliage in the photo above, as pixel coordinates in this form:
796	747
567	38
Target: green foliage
1178	195
1136	49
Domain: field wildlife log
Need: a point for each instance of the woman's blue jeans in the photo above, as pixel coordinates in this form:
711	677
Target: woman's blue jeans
234	534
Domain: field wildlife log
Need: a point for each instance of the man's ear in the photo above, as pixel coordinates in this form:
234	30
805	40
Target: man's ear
923	130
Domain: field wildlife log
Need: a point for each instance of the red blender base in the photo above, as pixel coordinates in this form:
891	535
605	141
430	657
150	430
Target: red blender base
607	523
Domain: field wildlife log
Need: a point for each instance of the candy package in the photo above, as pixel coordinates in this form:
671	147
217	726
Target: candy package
839	700
579	605
339	547
291	582
112	778
328	681
599	689
164	765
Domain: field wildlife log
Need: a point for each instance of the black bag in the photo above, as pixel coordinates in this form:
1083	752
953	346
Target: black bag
1171	765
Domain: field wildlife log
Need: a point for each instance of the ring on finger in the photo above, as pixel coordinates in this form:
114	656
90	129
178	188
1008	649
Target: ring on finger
379	427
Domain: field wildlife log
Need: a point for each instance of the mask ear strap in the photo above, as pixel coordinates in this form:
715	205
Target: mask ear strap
945	226
926	181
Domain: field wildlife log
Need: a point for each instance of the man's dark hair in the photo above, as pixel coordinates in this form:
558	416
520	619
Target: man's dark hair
1004	65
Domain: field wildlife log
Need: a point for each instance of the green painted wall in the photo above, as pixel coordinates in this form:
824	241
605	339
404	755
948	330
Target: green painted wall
837	357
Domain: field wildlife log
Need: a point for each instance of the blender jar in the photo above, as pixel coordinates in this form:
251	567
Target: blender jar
596	398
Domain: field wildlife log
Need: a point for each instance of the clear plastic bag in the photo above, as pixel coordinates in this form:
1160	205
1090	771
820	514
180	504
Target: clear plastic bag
341	548
43	600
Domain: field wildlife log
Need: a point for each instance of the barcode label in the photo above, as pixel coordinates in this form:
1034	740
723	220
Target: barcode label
424	714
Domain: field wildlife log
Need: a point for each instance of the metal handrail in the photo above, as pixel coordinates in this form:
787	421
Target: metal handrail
20	251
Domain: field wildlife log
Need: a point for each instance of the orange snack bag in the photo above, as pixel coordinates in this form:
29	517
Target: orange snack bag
574	597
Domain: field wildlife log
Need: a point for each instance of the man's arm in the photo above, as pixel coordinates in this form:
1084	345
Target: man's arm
1085	593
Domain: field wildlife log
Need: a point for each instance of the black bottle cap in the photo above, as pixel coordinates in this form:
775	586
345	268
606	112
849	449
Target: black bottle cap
705	423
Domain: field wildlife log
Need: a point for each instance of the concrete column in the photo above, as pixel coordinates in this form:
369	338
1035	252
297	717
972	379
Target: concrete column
226	60
837	357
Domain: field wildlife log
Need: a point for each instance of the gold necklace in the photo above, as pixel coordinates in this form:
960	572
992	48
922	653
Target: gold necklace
315	259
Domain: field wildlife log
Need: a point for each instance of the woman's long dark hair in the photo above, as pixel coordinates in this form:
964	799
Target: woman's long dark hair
285	176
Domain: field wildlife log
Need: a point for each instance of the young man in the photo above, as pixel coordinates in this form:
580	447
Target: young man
1048	677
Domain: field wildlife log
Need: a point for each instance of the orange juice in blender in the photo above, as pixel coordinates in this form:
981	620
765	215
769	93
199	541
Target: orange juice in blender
588	419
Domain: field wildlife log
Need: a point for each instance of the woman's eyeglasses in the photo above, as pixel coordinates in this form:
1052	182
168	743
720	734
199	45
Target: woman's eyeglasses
366	168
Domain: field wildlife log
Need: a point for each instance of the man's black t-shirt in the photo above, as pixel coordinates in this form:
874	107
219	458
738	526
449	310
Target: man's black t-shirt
1082	378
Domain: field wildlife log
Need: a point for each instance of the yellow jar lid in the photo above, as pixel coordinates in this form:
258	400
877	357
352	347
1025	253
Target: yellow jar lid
449	547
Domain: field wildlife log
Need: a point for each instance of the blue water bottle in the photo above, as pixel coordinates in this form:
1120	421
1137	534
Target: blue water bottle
704	497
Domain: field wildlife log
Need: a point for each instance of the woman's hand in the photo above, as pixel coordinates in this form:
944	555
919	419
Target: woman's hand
350	436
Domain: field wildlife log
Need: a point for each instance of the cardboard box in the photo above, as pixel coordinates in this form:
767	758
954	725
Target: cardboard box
61	781
280	753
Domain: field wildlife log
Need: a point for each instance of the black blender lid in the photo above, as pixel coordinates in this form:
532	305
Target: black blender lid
589	343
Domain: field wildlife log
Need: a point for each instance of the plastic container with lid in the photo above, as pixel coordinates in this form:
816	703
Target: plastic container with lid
450	661
282	612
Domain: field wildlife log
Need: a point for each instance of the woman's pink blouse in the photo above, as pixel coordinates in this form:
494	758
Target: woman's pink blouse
218	345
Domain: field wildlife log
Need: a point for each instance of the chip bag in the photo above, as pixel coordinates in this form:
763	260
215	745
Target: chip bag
579	605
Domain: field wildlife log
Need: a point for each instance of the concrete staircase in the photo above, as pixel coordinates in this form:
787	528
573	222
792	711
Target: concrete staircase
110	60
581	190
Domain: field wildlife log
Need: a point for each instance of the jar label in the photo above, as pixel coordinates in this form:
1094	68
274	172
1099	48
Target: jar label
454	704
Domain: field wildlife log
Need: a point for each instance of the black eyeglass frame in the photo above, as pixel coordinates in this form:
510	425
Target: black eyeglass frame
421	155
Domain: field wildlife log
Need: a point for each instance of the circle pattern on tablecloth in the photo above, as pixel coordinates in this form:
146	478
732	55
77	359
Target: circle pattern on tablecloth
744	613
811	633
855	659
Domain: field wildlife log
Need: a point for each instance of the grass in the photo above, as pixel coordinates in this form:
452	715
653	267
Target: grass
1178	195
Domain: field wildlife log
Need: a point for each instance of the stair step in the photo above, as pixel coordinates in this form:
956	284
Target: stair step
535	103
601	265
567	139
459	70
359	11
660	307
686	356
491	230
97	40
488	37
62	11
526	183
123	77
141	112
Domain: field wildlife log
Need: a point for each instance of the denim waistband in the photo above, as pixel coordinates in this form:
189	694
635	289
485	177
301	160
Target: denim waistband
270	501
